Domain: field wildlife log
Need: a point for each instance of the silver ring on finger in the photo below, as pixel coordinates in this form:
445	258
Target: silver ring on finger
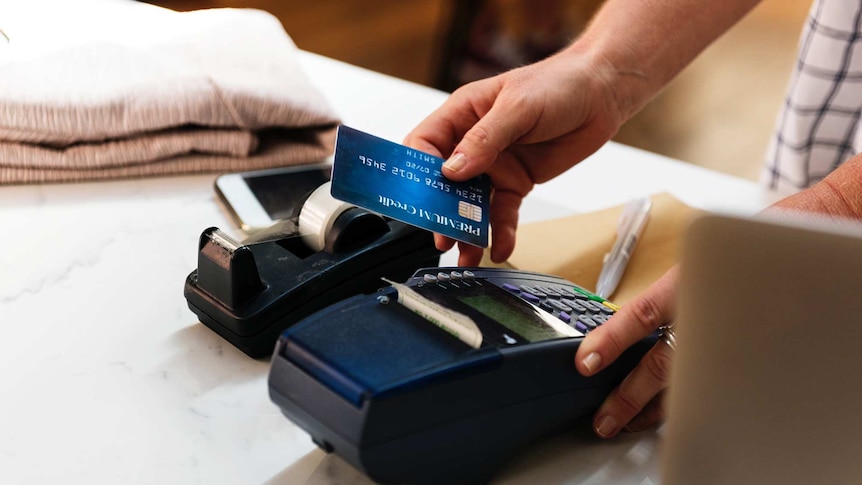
666	335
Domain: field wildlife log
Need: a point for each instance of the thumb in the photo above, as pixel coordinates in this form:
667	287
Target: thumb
482	143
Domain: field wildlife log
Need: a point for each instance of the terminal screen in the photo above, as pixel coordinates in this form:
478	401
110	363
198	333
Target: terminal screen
518	316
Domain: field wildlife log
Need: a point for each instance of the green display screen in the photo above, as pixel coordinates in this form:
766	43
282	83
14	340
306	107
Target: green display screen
518	316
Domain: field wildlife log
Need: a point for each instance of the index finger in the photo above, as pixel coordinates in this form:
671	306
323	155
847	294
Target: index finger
634	321
441	131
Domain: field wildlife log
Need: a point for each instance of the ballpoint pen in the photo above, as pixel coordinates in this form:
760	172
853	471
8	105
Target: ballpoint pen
631	226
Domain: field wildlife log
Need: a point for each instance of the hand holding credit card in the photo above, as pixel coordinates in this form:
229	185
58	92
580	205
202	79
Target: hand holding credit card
407	185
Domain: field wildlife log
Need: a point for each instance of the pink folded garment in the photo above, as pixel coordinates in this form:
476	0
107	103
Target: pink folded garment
113	89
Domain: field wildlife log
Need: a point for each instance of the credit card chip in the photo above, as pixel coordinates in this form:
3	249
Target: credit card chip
470	211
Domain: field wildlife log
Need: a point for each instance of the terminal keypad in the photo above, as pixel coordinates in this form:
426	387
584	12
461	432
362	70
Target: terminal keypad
572	307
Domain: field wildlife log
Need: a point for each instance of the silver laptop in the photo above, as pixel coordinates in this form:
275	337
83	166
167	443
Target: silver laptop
766	386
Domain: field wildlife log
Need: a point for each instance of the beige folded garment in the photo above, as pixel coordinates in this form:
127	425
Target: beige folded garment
108	89
573	247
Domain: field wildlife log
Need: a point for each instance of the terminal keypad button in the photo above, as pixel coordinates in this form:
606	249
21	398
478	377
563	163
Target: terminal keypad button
607	311
595	307
556	305
600	318
551	292
575	305
533	291
587	321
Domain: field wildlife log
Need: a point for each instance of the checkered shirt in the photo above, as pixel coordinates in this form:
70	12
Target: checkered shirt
818	128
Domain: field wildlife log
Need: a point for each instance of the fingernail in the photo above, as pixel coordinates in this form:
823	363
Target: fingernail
592	362
456	162
606	427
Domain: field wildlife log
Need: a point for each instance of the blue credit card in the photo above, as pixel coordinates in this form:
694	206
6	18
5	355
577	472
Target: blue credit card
406	184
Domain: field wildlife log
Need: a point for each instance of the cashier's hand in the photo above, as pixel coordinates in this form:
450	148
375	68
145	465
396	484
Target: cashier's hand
521	127
636	403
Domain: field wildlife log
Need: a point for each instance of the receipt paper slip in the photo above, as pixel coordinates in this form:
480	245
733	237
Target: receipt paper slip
407	185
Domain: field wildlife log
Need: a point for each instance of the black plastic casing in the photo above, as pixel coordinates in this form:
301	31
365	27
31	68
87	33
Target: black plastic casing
249	294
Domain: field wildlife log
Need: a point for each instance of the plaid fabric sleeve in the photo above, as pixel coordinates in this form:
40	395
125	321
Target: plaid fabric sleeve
818	127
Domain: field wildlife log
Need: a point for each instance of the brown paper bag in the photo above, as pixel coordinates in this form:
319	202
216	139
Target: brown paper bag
573	247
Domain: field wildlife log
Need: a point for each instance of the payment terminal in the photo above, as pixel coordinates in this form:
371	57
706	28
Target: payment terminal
446	389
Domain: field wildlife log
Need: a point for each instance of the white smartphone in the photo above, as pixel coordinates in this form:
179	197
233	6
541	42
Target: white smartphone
258	199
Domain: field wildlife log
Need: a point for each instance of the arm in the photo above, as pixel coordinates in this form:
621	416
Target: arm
530	124
838	195
646	43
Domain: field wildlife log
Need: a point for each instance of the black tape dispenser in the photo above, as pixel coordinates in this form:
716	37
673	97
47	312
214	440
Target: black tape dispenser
249	292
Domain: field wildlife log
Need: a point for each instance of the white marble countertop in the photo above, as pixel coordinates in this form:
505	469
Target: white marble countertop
107	377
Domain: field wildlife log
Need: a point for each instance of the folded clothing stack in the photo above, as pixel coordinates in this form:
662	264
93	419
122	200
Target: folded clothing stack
101	89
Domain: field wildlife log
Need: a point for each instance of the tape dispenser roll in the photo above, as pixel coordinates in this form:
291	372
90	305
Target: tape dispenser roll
317	216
